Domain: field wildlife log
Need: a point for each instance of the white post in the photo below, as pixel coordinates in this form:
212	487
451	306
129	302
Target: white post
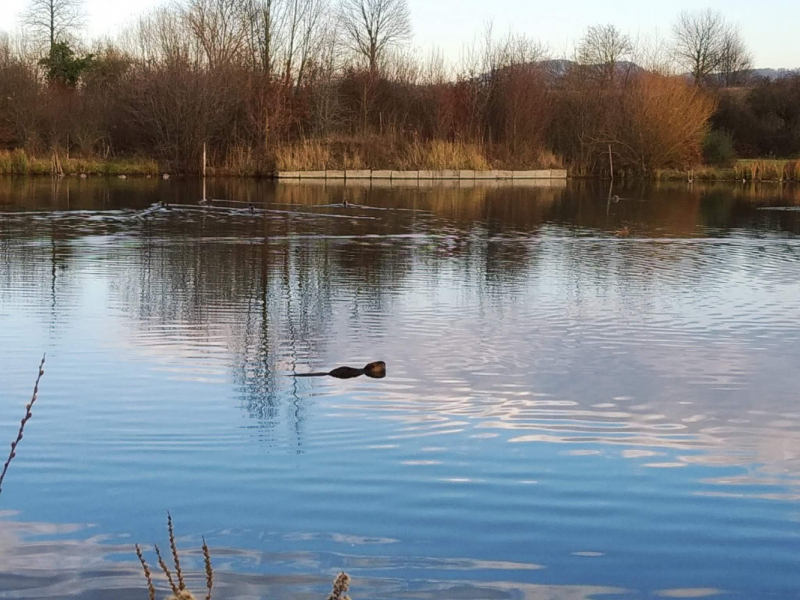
204	171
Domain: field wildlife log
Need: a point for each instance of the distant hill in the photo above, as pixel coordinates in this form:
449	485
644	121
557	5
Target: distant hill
558	67
774	74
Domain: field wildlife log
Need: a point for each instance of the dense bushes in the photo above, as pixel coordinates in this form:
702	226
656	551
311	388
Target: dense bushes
718	149
201	73
763	120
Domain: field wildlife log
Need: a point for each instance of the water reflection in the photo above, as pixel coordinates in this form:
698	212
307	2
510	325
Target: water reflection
554	389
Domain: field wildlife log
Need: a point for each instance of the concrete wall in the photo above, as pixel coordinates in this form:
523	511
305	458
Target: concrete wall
424	183
464	175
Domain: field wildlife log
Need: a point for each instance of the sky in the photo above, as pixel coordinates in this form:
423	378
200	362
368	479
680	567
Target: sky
770	26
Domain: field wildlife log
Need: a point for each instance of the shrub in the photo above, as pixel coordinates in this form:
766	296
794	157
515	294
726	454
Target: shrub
718	149
662	123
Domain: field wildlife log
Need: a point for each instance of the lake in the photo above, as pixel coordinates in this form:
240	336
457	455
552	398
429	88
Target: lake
568	412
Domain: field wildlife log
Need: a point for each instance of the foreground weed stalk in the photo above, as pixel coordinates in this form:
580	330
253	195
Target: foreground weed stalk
25	419
147	574
340	587
179	591
209	570
173	546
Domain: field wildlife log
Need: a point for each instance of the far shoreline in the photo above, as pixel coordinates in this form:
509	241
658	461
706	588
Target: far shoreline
17	164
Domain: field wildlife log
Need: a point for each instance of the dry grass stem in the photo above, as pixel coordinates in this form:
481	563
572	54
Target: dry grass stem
25	419
209	569
164	568
173	546
147	574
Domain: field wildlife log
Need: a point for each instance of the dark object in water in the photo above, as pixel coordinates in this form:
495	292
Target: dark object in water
375	370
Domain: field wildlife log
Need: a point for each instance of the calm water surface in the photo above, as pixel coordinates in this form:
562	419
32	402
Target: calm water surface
567	413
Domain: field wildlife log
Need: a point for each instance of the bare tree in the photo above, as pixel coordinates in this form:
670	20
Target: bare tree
5	49
314	34
52	21
372	26
218	26
654	53
604	48
264	31
735	61
698	42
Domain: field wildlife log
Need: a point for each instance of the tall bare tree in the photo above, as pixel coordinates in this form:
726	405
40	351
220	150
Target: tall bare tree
699	39
52	21
735	61
373	26
314	34
264	29
604	48
218	25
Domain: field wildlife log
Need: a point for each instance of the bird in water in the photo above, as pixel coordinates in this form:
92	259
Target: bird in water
251	208
345	203
624	232
375	370
614	198
164	205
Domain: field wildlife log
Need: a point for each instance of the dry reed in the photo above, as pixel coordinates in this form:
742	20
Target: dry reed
179	591
441	154
767	170
175	557
209	570
164	568
340	587
147	574
19	162
25	419
309	155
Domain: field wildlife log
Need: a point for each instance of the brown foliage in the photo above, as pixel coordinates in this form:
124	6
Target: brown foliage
266	82
663	123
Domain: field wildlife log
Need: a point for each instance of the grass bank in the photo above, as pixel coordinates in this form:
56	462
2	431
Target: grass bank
19	162
377	152
373	153
394	153
756	169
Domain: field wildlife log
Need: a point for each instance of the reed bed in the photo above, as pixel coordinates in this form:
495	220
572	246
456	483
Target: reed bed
393	152
442	154
310	155
742	170
19	162
768	170
25	419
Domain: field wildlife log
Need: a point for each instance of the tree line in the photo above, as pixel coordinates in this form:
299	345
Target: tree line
262	84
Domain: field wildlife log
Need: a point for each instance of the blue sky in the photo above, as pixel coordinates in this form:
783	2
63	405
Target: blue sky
769	26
